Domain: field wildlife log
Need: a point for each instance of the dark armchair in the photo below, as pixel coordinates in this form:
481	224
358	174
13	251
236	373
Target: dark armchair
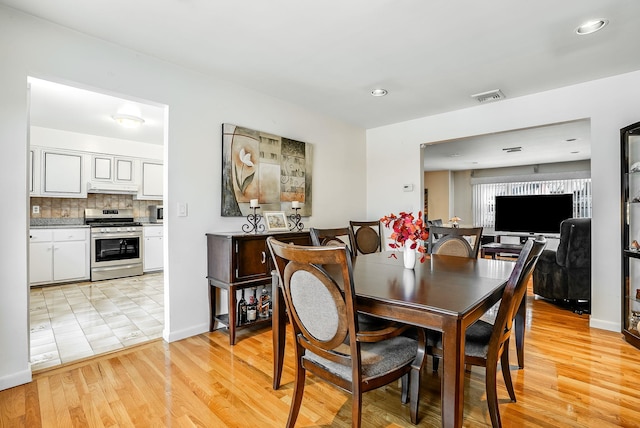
564	275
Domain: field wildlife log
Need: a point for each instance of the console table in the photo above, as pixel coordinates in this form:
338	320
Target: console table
494	248
237	261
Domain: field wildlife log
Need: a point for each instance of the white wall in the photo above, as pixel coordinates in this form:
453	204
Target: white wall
198	105
610	104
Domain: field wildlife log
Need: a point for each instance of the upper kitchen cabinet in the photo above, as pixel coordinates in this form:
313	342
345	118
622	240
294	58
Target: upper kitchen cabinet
62	174
112	169
113	174
152	178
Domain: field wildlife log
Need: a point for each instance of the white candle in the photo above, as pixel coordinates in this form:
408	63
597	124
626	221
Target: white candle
295	204
253	203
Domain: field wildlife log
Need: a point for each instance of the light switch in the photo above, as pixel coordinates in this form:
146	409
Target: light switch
408	187
182	209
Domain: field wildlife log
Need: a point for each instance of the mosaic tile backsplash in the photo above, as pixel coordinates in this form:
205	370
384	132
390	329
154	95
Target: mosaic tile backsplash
55	211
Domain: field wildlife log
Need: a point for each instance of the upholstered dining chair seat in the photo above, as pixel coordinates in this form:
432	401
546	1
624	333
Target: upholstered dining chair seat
376	358
476	339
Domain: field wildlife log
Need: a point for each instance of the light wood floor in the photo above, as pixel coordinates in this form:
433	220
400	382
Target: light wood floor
574	377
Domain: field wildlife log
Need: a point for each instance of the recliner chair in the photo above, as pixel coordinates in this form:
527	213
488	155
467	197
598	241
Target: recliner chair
564	275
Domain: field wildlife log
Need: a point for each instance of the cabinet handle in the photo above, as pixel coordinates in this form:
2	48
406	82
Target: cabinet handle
264	257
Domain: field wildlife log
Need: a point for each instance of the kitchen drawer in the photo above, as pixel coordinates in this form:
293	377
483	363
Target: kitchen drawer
61	235
40	235
150	231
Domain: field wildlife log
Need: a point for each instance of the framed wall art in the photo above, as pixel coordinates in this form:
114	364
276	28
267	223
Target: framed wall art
276	221
258	165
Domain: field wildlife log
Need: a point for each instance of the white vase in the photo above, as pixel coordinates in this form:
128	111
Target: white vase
409	257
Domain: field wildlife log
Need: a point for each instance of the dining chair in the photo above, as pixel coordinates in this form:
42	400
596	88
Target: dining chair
367	236
454	241
486	343
334	236
329	341
337	237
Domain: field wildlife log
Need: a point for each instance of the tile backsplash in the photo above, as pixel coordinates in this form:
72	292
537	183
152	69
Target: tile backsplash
71	210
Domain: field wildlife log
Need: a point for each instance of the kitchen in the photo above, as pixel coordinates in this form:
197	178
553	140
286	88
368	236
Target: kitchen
96	235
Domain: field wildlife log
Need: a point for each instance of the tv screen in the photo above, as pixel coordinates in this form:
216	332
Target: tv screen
532	213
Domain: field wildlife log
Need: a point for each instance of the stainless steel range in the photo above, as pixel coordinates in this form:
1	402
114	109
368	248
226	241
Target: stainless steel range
116	243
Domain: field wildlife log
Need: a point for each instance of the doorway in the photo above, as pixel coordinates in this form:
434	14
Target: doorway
114	137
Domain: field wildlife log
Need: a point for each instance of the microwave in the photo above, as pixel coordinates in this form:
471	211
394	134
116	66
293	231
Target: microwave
156	213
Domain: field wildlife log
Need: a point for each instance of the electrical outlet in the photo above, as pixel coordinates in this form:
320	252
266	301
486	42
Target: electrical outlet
36	209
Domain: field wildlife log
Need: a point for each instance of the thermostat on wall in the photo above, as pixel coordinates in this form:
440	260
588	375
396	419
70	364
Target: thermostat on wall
408	187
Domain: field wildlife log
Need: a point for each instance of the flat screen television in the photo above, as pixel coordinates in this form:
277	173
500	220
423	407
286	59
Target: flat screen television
532	213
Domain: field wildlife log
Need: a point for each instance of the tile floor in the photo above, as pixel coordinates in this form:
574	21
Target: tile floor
74	321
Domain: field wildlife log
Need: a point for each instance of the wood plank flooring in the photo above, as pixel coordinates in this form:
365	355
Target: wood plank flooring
574	377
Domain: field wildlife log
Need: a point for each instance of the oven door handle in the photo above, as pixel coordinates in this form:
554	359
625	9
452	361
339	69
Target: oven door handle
108	268
116	235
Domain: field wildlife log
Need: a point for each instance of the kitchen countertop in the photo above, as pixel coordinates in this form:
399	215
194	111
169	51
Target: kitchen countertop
58	226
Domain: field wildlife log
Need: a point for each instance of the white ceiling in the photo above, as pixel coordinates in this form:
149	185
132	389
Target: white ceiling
561	142
327	56
69	108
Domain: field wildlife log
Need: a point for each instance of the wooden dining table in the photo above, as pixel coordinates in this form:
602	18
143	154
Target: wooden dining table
445	293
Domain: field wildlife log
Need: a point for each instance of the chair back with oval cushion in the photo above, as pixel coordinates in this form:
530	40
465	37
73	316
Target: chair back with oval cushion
317	284
367	236
454	241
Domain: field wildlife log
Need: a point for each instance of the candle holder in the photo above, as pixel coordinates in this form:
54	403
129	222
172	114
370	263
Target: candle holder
295	220
254	220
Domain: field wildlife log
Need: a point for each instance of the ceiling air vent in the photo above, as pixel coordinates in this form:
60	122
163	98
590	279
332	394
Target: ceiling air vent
512	149
489	96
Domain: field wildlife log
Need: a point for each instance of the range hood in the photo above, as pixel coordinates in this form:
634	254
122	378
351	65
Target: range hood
125	189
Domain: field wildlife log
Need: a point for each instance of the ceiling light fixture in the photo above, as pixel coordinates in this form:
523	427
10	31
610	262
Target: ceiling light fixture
127	120
591	26
379	92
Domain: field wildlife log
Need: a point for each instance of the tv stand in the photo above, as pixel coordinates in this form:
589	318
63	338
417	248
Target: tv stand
494	248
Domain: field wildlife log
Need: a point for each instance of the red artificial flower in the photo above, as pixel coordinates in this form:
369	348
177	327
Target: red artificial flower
407	230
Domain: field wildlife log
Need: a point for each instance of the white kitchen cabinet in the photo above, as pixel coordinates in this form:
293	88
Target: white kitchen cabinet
41	256
124	170
112	169
59	255
153	250
62	174
34	172
152	178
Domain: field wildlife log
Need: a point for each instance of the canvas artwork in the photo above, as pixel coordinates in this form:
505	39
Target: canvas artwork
272	169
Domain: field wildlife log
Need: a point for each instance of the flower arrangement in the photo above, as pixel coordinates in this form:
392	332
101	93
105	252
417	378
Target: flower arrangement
407	231
455	220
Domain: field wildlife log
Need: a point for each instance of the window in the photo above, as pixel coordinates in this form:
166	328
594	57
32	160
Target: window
484	196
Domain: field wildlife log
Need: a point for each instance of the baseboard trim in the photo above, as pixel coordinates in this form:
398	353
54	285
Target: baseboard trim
15	379
604	325
172	336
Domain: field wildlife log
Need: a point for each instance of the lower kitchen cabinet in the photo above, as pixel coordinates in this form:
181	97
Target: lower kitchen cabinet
58	255
153	251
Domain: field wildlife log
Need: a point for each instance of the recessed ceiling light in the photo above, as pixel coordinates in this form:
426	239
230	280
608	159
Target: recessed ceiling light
379	92
575	153
568	140
591	26
127	120
454	155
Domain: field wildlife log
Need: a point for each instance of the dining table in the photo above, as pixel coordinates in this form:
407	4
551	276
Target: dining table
444	293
